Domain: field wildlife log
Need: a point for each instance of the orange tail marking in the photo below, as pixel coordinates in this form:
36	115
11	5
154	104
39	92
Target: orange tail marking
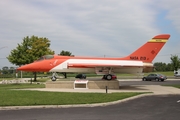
149	50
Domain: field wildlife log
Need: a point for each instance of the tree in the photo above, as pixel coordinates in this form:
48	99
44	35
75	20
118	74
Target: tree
159	66
5	70
175	62
30	50
169	67
11	70
65	53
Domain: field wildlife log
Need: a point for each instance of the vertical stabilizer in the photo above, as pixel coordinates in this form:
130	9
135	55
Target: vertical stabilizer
149	50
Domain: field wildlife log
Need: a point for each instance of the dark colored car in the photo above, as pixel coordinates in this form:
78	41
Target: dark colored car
81	76
155	76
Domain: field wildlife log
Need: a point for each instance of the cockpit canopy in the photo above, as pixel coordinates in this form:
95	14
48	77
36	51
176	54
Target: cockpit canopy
46	57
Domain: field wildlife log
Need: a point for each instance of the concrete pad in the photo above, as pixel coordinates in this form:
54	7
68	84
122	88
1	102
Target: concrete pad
96	84
60	84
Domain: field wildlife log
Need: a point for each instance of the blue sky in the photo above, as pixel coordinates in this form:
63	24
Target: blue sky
111	28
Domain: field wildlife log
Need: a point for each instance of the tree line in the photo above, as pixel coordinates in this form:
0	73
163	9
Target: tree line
173	65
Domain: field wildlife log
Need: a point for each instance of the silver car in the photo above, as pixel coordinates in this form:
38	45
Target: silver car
154	76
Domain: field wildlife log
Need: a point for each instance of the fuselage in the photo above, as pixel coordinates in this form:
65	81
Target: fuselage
54	63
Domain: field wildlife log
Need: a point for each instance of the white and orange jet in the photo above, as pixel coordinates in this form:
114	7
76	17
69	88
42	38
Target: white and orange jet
138	62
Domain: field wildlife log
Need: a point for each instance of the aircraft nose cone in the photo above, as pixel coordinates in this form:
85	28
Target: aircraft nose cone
29	67
35	67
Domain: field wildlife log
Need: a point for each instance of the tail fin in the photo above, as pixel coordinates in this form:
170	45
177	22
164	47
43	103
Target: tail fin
149	50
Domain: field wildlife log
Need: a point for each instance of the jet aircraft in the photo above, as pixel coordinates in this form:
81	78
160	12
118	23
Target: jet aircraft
136	63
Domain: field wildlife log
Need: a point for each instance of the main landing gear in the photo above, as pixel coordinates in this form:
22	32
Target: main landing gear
109	77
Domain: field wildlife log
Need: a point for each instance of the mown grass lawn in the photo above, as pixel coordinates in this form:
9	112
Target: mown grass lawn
176	86
11	96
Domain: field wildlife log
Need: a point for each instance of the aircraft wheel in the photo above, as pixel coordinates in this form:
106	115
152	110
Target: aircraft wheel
109	77
144	79
157	79
53	78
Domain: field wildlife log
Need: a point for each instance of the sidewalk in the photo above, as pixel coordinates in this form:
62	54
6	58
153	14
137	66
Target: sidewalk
155	89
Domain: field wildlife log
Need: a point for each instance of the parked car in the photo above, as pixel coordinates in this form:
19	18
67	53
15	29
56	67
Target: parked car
81	76
154	76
